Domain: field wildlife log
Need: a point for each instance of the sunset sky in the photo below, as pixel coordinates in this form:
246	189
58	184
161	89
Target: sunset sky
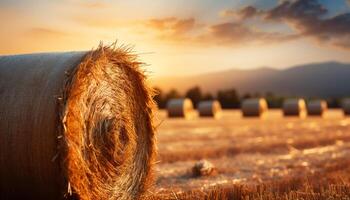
185	36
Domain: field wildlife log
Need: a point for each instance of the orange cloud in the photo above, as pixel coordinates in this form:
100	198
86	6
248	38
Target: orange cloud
171	28
172	25
188	30
228	33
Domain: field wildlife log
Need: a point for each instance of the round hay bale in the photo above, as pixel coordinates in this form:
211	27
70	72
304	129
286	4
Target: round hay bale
75	125
317	107
180	108
294	107
254	107
209	109
346	106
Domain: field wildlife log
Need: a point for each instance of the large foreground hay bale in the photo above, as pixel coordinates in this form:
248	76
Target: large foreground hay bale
180	108
317	107
209	109
254	107
294	107
75	125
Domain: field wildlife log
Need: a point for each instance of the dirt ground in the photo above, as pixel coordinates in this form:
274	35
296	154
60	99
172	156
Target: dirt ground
248	150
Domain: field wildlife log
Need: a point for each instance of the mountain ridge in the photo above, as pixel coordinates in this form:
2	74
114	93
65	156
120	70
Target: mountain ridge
326	79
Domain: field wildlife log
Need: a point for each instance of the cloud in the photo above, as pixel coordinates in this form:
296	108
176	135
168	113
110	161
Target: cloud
171	28
227	33
241	14
237	33
228	13
304	10
248	12
172	25
309	18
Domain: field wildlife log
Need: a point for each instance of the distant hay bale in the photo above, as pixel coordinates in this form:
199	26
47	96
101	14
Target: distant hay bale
75	125
254	107
294	107
346	106
317	107
209	109
203	168
180	108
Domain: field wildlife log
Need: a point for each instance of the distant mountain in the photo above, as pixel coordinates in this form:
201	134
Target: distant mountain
330	79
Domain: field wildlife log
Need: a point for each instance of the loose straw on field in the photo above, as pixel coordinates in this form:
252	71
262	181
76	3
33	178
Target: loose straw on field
209	109
295	107
317	107
256	107
75	125
180	108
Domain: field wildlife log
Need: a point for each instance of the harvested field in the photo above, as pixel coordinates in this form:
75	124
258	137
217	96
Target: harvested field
277	157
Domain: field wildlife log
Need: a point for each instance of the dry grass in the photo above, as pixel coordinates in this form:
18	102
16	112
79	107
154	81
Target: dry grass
333	183
280	146
274	158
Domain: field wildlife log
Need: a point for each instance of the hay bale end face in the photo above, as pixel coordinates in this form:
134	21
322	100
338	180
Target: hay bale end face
209	109
317	107
294	107
180	108
254	107
346	106
75	125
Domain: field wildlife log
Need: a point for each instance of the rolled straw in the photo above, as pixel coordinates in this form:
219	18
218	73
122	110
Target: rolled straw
75	125
317	107
256	107
346	106
209	109
294	107
180	108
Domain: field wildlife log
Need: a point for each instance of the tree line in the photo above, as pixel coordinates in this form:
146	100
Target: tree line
228	98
